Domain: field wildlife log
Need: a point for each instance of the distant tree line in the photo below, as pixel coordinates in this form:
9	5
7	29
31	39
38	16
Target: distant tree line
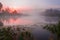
52	12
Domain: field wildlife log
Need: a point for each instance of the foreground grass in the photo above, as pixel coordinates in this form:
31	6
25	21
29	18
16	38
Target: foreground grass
9	33
54	29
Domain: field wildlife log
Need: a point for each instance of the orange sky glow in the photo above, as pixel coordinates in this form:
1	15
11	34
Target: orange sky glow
11	9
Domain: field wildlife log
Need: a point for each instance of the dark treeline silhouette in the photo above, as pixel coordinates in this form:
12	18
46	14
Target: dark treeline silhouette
1	6
6	11
52	12
10	12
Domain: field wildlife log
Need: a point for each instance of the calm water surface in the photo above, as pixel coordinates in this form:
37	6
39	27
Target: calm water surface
33	18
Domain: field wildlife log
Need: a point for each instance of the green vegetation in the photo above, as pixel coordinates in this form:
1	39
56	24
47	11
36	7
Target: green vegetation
9	33
54	28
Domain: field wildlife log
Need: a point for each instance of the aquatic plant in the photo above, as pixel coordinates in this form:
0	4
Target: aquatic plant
26	36
54	28
9	33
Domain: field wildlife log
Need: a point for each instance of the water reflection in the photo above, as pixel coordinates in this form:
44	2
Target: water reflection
52	20
25	20
15	21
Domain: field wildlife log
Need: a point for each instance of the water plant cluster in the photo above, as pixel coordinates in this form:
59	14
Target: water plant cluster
54	29
9	33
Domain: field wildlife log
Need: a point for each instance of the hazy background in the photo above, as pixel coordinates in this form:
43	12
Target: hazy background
31	3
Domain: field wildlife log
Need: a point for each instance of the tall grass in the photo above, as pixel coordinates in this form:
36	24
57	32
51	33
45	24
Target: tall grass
9	33
54	28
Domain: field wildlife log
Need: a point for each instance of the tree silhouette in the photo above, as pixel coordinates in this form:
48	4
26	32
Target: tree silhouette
14	12
1	5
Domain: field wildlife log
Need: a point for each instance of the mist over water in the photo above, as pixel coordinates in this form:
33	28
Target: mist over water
33	17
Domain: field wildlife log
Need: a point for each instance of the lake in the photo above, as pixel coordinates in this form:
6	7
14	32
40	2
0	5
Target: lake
33	18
